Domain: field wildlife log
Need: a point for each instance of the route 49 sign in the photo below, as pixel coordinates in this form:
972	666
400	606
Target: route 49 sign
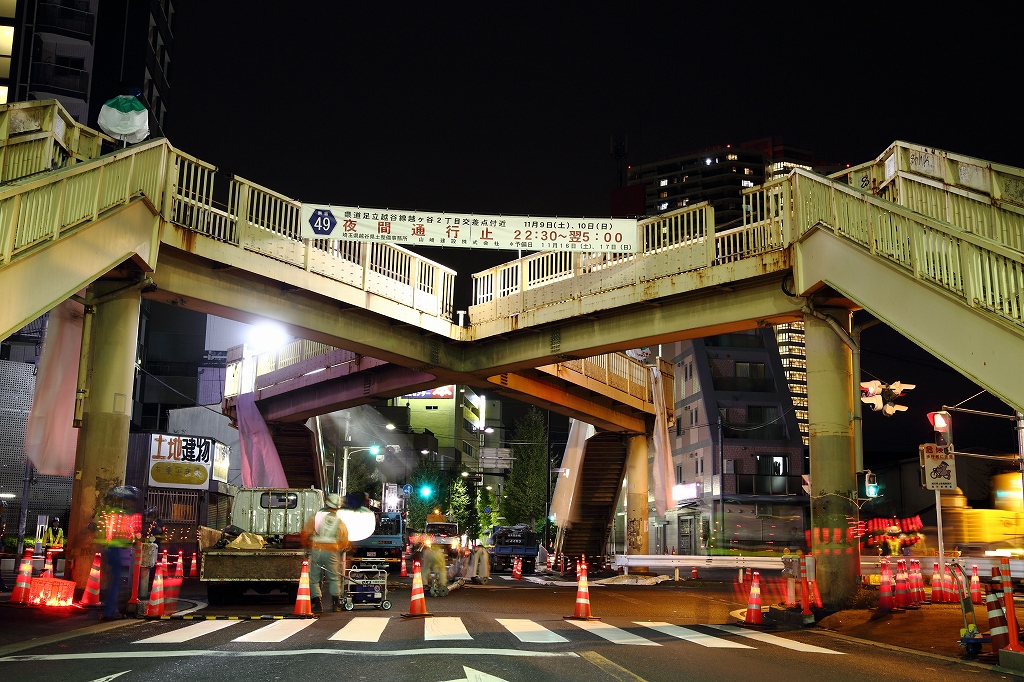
939	467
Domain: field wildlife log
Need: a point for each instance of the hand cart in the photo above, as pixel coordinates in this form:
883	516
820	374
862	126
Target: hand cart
971	638
365	587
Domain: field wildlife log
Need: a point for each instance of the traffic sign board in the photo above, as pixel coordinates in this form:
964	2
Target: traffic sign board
407	489
487	510
939	467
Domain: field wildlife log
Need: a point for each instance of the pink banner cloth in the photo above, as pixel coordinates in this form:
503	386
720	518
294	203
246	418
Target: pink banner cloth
261	465
50	439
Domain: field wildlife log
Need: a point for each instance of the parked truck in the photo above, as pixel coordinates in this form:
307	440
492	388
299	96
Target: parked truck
512	542
276	515
383	549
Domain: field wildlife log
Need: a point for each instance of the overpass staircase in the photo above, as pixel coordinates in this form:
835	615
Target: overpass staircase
604	466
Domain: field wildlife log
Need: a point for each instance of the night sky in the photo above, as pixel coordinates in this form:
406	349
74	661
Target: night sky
468	108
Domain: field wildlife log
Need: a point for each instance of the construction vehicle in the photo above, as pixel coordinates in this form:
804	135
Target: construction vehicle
511	543
440	532
261	549
383	549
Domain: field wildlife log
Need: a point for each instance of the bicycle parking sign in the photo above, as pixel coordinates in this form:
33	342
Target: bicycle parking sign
939	467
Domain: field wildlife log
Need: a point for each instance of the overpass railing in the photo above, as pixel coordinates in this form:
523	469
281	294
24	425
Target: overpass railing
36	208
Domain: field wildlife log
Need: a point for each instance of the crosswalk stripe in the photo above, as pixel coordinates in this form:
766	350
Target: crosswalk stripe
693	636
278	631
189	632
361	629
612	633
445	627
530	632
777	641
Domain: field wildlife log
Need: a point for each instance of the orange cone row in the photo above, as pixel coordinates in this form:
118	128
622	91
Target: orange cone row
517	568
23	583
91	596
417	603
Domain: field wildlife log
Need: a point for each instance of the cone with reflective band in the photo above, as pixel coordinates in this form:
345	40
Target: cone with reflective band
405	571
163	558
23	583
91	596
303	607
156	595
582	611
885	597
937	593
48	565
919	595
179	570
754	615
975	585
193	571
517	568
902	597
746	576
693	573
998	631
417	603
947	586
1008	606
997	587
817	595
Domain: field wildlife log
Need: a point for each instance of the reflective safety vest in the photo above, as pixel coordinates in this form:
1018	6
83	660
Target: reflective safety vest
326	526
53	538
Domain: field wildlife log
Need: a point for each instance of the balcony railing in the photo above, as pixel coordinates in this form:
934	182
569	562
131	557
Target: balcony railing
744	384
61	79
776	431
50	15
762	484
735	341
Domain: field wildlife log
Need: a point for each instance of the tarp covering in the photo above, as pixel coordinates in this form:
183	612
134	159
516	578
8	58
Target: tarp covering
568	482
261	465
50	440
662	474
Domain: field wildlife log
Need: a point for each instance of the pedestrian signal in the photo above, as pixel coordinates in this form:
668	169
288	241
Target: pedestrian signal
942	424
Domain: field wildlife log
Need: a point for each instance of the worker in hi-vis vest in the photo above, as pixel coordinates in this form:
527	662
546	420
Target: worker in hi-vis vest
326	537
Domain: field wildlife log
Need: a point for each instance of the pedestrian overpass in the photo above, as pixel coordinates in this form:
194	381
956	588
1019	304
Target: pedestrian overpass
933	249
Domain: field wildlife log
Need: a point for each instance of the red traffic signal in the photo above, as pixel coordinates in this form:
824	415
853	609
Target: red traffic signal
942	424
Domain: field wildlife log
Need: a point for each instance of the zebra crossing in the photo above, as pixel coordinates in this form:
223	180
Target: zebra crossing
371	629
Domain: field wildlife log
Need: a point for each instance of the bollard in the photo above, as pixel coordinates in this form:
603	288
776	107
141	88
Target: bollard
136	572
1011	614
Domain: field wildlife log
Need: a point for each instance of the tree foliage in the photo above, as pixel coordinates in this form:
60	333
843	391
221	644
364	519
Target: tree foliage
458	502
426	474
525	487
488	519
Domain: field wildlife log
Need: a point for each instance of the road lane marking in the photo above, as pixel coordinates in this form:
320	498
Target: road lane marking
225	653
361	629
616	671
612	633
277	631
692	635
443	628
777	641
188	632
530	632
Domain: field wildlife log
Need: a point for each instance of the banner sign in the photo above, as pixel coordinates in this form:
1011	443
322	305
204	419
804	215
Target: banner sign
468	230
221	461
939	467
180	461
439	393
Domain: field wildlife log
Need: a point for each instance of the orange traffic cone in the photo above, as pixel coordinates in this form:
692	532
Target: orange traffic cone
517	569
938	596
902	596
818	604
754	602
999	632
173	587
582	611
23	583
405	571
163	558
947	586
303	606
997	587
975	585
885	591
746	576
179	571
156	595
417	604
91	596
693	573
48	565
193	571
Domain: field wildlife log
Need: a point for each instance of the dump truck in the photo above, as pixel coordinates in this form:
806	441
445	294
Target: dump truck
261	549
512	542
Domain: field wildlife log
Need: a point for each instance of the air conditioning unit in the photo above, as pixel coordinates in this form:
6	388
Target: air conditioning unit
763	510
730	466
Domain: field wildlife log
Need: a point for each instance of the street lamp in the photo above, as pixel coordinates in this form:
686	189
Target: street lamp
346	450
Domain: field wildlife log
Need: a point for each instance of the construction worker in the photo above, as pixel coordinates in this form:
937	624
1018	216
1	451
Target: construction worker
53	537
117	526
326	537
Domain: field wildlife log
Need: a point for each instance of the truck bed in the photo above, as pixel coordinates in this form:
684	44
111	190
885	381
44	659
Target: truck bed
244	565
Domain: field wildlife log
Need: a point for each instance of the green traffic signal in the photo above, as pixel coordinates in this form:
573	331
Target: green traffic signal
374	449
425	491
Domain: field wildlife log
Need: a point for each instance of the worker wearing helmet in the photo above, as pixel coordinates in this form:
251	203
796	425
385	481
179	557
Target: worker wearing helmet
53	536
117	526
326	536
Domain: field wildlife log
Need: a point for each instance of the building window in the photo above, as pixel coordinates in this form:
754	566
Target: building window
679	426
762	414
773	465
431	407
664	181
748	171
732	157
753	370
679	474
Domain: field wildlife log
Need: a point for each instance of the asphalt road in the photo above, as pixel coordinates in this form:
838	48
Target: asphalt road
506	630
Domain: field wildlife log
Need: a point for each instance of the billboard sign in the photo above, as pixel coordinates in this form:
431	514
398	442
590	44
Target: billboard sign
221	461
468	230
439	393
177	461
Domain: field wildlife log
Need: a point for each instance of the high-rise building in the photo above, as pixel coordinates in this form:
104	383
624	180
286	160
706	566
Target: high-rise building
792	352
82	53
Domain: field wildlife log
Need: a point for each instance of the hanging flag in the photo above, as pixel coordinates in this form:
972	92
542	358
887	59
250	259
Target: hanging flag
125	118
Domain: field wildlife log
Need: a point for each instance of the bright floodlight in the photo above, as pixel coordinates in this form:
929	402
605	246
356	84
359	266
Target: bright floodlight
465	473
489	429
360	523
374	449
266	337
390	427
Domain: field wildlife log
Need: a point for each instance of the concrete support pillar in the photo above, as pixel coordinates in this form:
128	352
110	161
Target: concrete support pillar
636	495
833	481
103	437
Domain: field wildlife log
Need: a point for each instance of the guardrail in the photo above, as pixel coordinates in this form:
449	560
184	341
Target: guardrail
39	136
676	561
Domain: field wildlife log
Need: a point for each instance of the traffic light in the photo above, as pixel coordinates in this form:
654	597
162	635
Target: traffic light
882	397
374	449
942	423
870	484
426	492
